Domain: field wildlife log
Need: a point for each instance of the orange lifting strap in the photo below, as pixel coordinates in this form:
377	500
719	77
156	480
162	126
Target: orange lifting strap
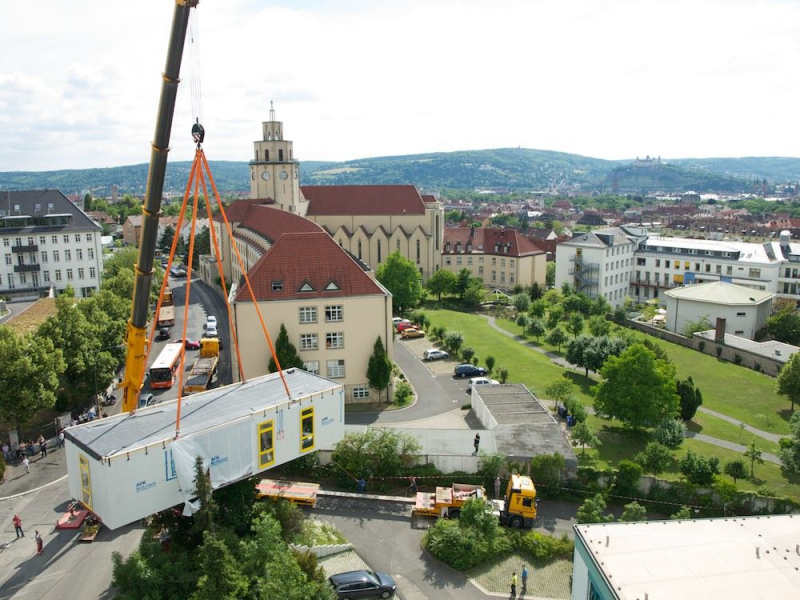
197	178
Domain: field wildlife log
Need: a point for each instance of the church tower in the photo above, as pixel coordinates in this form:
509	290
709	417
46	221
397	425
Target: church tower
274	173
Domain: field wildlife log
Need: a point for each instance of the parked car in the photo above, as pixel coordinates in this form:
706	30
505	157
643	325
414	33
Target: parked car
147	400
412	332
211	331
468	370
396	320
434	354
211	321
404	325
190	344
363	584
163	333
482	381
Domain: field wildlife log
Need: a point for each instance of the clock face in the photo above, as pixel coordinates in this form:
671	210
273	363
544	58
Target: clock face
284	175
265	175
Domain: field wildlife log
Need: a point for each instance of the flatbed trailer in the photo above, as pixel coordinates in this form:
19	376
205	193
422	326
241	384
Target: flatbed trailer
304	494
201	375
446	501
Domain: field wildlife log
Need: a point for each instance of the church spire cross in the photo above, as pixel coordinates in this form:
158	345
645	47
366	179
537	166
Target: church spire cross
271	111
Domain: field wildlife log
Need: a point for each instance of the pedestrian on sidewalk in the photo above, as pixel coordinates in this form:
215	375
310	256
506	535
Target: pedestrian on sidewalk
477	442
42	445
6	452
27	464
413	487
524	578
18	526
362	484
513	583
39	542
61	439
497	487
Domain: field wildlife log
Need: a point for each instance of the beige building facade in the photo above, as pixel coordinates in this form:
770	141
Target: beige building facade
332	306
502	258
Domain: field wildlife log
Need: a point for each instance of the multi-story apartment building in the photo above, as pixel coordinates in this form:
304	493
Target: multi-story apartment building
47	243
330	303
502	258
652	264
598	263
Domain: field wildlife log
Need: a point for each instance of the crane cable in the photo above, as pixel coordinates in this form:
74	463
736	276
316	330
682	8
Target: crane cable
194	68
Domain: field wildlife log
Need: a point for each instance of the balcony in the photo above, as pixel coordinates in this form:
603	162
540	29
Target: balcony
18	249
27	268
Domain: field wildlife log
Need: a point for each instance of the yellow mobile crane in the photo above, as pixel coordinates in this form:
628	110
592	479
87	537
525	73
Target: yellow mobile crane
136	334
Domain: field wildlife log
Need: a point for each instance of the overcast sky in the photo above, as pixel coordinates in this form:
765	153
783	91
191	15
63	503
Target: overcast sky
80	80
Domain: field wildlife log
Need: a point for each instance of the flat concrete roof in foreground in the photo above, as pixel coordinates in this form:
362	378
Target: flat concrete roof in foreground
747	558
147	426
525	428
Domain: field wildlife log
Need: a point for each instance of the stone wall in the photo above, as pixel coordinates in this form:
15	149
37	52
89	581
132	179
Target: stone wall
727	353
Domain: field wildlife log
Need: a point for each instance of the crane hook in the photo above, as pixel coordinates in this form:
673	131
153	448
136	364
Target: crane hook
198	133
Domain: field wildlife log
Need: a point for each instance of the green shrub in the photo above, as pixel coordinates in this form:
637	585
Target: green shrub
670	432
737	359
403	393
490	363
544	548
627	479
719	351
701	345
467	354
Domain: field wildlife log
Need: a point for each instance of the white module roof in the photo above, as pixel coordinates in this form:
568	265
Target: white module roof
105	438
747	558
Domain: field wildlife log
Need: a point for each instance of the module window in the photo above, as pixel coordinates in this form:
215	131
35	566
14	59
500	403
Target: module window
86	482
307	429
266	444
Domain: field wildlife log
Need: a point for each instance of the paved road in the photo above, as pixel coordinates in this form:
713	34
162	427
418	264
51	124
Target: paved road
436	394
383	535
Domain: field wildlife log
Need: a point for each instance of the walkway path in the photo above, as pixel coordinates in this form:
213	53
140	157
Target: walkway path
561	361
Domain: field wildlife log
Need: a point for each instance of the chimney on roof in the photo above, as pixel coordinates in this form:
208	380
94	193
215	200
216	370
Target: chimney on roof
472	231
719	332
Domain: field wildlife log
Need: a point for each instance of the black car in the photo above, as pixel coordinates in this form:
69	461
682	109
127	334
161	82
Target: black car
468	370
363	584
163	333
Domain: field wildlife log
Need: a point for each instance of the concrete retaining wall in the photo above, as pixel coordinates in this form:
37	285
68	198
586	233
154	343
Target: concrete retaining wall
323	551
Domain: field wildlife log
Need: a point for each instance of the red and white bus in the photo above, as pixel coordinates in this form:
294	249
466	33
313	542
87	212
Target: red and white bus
163	371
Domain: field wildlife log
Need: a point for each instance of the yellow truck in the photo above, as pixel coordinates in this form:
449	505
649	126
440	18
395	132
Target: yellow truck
517	509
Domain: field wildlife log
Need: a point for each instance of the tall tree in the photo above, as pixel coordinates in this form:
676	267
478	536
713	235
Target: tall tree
441	282
556	337
401	278
575	324
690	398
784	326
536	291
790	446
167	237
754	455
561	390
463	280
29	379
286	353
591	511
379	368
789	379
582	435
536	327
637	389
736	469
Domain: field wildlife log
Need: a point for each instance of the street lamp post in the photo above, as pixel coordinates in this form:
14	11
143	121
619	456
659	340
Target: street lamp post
94	366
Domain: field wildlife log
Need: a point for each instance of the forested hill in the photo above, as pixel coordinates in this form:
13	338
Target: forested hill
515	169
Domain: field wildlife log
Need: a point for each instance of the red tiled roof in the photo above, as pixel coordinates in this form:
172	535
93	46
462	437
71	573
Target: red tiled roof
236	211
489	237
363	200
315	259
428	199
272	223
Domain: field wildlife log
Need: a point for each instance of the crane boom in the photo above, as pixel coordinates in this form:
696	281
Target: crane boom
136	334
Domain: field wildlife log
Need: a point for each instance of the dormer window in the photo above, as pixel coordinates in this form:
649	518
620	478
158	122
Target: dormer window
469	247
277	286
447	247
306	287
331	287
458	247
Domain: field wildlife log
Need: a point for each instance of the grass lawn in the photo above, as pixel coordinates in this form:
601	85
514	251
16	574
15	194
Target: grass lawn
719	382
718	428
524	364
735	391
548	579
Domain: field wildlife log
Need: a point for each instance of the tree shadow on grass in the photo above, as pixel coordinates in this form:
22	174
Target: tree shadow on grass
694	427
619	443
786	414
585	384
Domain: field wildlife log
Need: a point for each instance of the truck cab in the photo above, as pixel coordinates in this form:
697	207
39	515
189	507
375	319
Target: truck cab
518	508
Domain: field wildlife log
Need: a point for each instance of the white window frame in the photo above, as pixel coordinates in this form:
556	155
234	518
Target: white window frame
312	366
308	314
334	313
335	368
361	391
334	340
309	341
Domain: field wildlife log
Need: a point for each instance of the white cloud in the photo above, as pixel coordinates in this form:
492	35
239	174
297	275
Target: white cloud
611	79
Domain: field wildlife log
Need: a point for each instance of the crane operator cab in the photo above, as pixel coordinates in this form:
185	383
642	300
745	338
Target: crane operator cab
198	133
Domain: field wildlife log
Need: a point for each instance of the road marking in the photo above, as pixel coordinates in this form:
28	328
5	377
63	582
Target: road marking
34	490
